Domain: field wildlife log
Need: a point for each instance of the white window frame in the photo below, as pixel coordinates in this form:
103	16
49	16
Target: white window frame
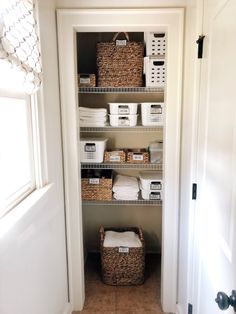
38	169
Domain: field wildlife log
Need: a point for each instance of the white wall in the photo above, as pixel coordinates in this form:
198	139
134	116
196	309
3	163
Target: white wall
188	120
33	252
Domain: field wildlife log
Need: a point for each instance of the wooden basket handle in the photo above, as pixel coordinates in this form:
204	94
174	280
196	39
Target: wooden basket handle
117	34
102	233
141	233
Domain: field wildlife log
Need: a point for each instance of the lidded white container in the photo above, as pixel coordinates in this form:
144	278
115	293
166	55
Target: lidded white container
152	113
123	108
156	152
151	180
92	149
123	120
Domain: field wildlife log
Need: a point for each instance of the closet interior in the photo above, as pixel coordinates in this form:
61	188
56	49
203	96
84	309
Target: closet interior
145	211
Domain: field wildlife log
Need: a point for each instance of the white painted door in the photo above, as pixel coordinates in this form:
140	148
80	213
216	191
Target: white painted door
216	205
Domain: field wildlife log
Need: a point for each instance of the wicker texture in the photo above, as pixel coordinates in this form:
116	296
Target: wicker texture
137	156
96	185
122	268
118	156
120	66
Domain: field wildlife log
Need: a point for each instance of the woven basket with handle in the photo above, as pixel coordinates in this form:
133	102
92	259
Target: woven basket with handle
120	63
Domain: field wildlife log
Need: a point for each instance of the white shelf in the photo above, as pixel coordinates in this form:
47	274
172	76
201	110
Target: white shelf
119	90
119	202
136	129
149	166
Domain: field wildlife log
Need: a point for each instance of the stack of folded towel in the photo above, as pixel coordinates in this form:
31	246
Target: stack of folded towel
91	117
126	239
125	188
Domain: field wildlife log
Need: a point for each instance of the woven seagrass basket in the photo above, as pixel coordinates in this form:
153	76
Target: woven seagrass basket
121	268
120	65
96	185
138	156
118	156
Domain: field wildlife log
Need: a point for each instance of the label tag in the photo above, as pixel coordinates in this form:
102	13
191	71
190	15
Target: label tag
94	181
85	80
137	157
114	158
90	147
122	42
155	186
123	109
155	196
123	249
123	121
156	109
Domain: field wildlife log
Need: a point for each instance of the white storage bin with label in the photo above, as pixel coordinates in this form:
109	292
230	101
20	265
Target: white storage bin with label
123	120
151	195
155	43
92	149
150	181
155	72
156	152
152	113
123	108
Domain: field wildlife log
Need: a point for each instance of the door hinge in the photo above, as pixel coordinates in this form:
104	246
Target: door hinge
200	46
190	308
194	191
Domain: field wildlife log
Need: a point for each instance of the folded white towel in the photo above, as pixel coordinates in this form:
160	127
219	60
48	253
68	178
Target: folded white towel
117	239
125	183
125	197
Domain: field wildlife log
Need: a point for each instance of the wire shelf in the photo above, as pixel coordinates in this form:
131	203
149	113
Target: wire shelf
136	129
139	202
119	90
150	166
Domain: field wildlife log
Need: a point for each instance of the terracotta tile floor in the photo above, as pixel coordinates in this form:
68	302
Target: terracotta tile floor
105	299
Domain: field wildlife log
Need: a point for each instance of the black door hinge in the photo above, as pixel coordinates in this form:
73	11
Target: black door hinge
194	191
190	308
200	46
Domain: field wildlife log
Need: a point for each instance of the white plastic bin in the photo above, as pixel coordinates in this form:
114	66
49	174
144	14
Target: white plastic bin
150	180
155	43
151	195
152	113
123	108
155	72
123	120
156	152
92	149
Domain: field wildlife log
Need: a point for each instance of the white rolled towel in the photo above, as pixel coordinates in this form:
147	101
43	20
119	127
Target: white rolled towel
117	239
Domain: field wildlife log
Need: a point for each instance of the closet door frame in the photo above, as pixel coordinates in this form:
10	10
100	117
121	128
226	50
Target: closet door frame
71	21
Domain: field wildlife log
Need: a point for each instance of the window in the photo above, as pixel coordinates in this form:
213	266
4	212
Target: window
18	166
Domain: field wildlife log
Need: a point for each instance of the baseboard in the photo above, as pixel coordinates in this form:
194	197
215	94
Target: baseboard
67	309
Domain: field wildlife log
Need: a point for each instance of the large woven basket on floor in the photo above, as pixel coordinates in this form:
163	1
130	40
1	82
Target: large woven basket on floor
122	268
120	65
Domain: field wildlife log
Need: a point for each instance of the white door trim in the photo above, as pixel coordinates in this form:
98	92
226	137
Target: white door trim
69	22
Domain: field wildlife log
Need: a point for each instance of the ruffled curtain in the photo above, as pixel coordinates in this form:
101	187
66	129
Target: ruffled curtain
19	42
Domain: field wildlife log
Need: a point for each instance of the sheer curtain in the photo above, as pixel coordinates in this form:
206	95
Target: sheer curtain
19	42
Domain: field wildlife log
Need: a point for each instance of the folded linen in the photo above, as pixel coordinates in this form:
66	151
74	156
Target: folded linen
117	239
125	197
126	183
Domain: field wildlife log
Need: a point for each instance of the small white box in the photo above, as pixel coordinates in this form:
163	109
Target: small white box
155	43
152	113
92	149
156	152
151	181
123	108
155	72
151	195
123	120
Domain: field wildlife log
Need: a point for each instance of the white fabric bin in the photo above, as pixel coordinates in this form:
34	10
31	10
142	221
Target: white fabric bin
123	120
151	195
151	180
123	108
152	113
92	149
